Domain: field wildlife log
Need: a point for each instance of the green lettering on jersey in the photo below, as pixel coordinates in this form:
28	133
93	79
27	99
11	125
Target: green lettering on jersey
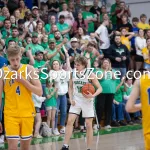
79	82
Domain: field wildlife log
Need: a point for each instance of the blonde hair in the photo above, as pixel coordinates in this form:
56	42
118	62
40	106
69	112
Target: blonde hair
82	60
13	51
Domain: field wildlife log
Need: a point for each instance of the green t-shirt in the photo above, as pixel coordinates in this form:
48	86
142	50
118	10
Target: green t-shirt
56	57
52	101
88	15
47	28
108	84
63	27
92	58
51	36
42	75
34	48
44	45
2	18
128	92
16	39
25	60
119	94
114	17
4	33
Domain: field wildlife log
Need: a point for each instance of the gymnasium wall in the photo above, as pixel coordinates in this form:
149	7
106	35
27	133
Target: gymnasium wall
137	7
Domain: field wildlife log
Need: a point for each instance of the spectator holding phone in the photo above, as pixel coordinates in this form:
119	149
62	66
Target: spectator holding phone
123	10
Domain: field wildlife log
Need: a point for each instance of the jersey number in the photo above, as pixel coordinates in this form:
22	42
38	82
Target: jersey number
148	96
18	90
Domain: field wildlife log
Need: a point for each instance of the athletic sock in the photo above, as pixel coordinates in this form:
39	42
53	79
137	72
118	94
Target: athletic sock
66	145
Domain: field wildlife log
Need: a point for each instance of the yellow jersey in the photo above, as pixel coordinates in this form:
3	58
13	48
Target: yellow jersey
18	99
140	25
145	101
145	51
126	42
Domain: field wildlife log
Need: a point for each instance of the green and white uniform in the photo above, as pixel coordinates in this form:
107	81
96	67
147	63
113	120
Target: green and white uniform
81	103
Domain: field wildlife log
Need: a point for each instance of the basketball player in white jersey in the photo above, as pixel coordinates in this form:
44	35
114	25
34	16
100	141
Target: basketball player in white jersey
80	102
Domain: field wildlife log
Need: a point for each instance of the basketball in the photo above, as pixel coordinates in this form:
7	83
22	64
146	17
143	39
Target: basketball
88	88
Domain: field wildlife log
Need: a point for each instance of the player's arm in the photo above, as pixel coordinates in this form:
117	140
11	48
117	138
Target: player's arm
96	84
33	84
131	106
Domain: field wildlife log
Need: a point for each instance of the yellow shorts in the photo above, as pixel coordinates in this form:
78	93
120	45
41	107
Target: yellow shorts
18	127
147	141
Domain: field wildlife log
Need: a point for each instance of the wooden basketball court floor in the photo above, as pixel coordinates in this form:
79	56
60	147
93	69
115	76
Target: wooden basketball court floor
123	138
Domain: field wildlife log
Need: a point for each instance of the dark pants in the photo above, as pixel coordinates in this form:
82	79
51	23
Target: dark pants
104	104
106	53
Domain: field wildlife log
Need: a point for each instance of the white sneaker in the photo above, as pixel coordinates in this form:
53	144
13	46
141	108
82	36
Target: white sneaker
62	131
2	137
95	127
1	141
107	127
55	132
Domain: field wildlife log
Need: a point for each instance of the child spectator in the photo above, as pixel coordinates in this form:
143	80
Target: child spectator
44	43
142	24
125	38
37	103
117	106
51	104
126	95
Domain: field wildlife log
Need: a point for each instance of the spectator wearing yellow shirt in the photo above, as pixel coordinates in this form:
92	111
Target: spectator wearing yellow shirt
22	9
143	25
146	55
126	37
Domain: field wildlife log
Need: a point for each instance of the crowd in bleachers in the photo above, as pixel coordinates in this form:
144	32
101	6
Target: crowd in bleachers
52	33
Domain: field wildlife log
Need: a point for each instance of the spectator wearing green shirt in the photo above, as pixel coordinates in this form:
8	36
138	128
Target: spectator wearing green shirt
51	104
102	15
49	25
90	54
117	106
41	65
104	103
126	95
89	17
54	28
60	41
15	37
113	13
54	53
6	31
63	27
34	45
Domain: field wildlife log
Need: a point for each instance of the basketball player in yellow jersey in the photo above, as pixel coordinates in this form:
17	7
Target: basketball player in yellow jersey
142	88
19	109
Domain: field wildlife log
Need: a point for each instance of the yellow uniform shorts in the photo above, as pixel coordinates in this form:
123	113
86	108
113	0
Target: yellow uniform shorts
18	127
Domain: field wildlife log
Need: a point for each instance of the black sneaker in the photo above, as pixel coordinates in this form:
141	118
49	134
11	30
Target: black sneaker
138	121
130	123
65	148
83	130
122	123
115	124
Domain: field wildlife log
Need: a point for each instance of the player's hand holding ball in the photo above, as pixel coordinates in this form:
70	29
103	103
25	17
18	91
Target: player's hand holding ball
88	90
